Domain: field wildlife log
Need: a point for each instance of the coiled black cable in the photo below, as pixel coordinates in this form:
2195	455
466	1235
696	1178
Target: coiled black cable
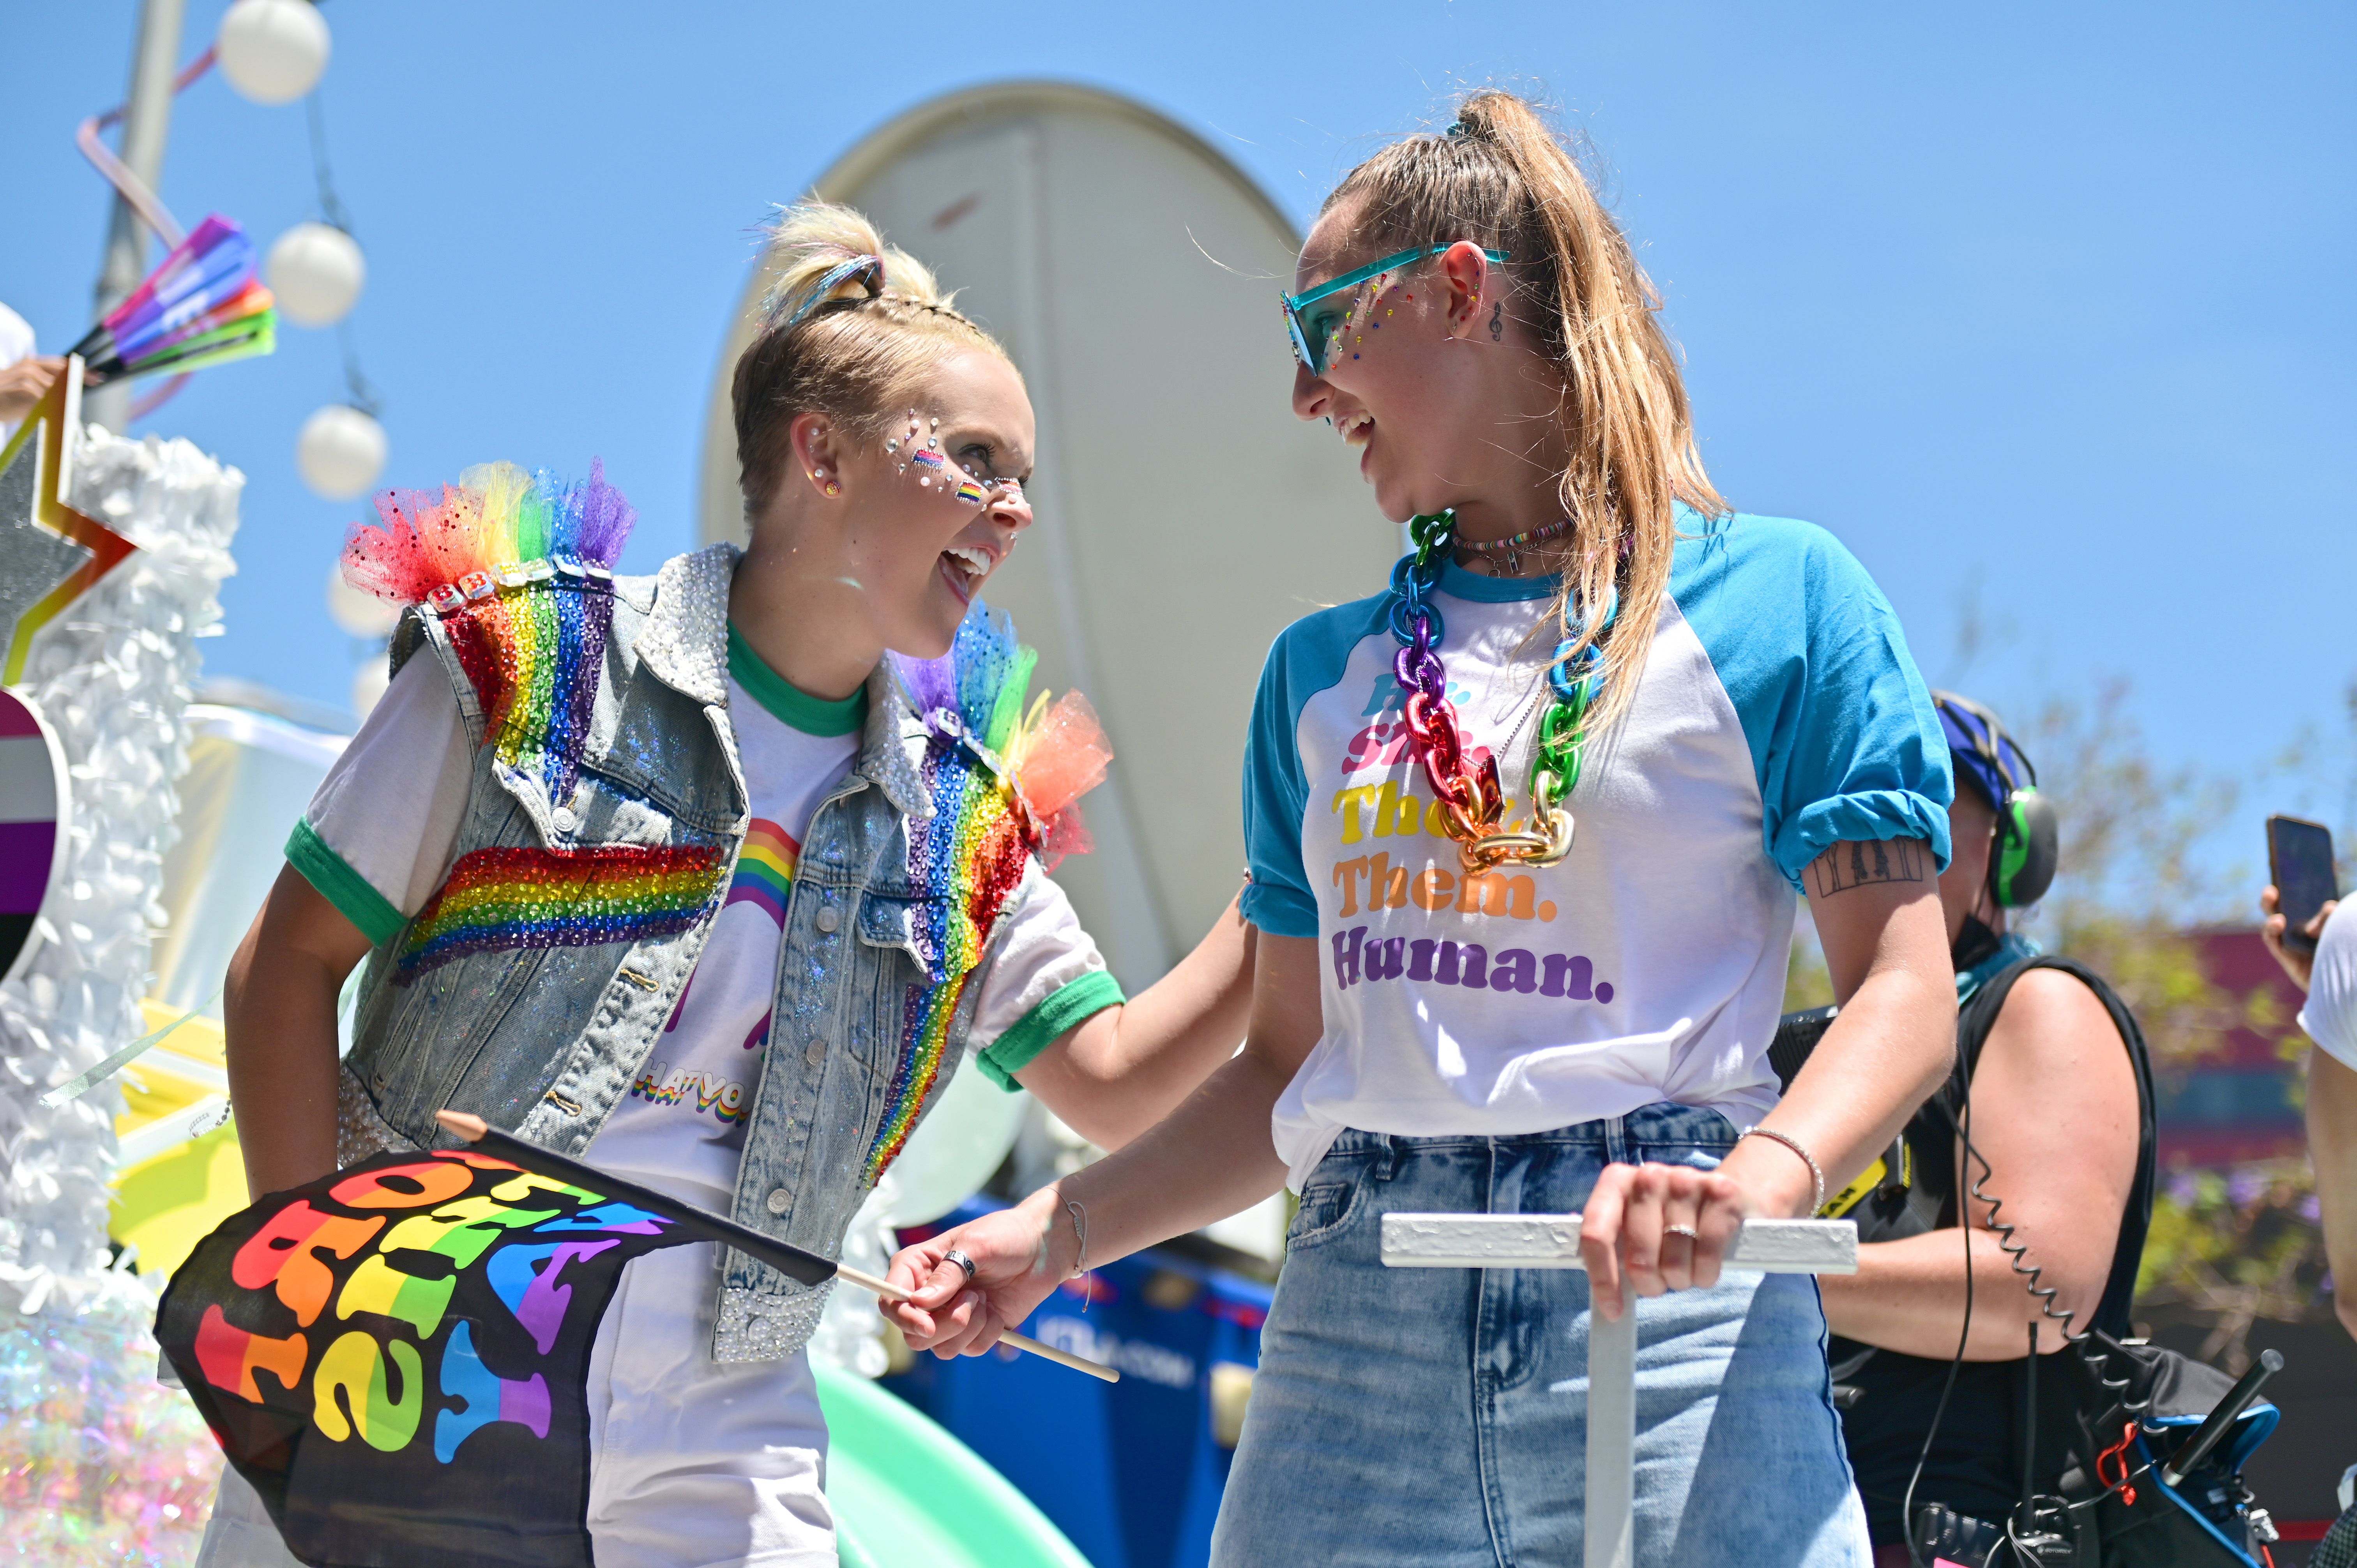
2089	1351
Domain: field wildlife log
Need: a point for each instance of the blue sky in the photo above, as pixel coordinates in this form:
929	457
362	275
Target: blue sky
2044	309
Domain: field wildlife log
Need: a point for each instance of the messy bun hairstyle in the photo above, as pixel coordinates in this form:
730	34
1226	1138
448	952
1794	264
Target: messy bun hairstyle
849	327
1499	176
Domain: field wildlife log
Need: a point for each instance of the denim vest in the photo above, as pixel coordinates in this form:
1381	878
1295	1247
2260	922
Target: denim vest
545	1040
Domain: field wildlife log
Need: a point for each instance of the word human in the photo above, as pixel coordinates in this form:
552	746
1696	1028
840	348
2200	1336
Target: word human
1469	964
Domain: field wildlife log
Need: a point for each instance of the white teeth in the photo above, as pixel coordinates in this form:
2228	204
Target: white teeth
975	561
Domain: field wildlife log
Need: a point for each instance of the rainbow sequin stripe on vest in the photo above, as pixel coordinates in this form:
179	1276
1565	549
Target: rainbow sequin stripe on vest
1005	785
519	568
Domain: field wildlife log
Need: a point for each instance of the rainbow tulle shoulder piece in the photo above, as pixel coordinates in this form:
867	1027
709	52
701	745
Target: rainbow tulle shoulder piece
1045	757
520	569
1004	783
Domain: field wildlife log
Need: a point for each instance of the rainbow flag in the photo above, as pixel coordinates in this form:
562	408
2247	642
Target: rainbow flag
348	1342
765	869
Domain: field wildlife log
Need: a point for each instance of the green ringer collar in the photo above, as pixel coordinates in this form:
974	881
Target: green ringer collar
788	703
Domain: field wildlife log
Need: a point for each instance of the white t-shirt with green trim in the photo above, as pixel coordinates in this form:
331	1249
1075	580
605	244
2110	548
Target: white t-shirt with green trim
377	846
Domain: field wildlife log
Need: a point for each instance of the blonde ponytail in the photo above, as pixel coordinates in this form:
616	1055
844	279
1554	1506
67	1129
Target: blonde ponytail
849	325
1500	177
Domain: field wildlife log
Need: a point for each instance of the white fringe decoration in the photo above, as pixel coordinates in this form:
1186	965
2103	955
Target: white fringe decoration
112	676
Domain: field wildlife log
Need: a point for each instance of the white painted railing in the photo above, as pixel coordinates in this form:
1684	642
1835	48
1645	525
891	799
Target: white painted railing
1552	1241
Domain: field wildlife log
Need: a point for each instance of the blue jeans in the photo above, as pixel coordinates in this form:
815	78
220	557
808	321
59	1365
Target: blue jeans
1437	1416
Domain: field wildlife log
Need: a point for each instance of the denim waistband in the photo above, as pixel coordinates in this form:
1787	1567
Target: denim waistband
1612	1137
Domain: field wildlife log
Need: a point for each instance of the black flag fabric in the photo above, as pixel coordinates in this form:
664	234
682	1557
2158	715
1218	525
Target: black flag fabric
395	1357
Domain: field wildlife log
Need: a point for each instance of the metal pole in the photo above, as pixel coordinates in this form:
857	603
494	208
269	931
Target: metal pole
1612	1436
146	122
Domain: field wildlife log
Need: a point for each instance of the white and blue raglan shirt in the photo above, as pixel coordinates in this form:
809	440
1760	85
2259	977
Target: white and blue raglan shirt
1778	713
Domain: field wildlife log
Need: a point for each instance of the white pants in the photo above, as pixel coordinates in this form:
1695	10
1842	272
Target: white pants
691	1465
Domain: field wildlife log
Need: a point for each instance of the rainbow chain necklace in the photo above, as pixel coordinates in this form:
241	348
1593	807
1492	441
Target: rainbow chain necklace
1471	802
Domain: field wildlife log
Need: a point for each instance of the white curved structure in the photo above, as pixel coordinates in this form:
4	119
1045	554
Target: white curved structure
1184	516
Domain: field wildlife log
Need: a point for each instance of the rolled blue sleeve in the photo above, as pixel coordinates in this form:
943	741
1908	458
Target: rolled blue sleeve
1843	734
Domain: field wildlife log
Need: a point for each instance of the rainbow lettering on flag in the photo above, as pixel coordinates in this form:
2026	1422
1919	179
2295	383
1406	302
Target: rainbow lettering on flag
394	1356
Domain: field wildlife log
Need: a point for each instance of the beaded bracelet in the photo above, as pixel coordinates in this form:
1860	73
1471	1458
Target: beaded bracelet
1815	1173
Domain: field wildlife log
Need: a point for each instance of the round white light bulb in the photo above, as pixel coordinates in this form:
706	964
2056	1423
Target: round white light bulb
368	683
359	614
316	271
341	452
273	51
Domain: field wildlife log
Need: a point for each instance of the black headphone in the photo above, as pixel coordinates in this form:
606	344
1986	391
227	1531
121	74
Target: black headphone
2028	848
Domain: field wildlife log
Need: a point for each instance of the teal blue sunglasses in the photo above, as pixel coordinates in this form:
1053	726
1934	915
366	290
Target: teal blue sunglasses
1316	332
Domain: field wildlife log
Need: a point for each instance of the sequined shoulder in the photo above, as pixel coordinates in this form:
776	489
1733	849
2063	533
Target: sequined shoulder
518	570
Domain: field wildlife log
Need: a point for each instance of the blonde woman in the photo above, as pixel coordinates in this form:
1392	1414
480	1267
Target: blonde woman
1464	1005
761	1042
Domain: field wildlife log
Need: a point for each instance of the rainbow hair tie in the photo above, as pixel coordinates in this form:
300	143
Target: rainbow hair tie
1003	784
519	568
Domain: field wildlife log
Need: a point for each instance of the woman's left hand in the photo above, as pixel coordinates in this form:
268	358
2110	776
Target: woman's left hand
26	383
1638	1218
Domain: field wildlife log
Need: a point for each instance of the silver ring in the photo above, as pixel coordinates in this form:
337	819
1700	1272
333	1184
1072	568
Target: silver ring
961	1260
1688	1231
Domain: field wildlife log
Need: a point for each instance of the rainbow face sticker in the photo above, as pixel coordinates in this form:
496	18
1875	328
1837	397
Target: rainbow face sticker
920	446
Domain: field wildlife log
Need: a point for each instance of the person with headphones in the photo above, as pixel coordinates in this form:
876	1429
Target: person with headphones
2052	1093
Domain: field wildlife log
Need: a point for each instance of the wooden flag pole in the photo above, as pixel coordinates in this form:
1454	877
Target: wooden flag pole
795	1262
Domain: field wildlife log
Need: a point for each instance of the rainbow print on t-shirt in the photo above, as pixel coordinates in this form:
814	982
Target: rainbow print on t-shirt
765	869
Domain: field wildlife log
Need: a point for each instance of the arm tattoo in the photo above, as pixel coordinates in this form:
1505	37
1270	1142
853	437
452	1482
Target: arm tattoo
1858	864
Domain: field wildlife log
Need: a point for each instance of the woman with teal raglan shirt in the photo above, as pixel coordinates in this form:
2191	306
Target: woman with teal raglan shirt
1524	832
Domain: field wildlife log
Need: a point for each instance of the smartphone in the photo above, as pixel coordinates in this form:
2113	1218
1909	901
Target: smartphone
2300	862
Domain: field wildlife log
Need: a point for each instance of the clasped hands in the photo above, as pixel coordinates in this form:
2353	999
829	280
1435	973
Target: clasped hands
1662	1227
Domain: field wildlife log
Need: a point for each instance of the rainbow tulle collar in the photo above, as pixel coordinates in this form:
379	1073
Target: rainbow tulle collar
520	569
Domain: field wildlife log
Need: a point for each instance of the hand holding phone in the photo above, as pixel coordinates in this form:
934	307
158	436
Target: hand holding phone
2299	861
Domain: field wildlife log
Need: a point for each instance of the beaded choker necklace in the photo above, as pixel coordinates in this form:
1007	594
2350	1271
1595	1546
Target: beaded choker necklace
1471	802
1515	548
